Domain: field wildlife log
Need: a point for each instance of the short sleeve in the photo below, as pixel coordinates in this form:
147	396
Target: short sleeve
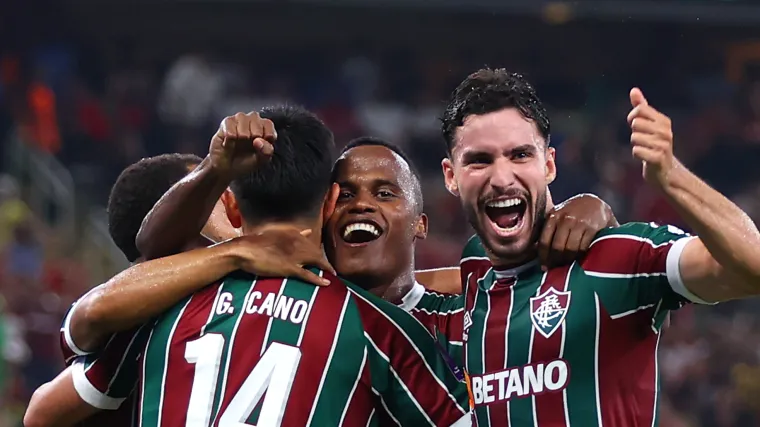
104	379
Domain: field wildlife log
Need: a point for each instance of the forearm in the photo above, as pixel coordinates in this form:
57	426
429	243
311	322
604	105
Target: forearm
144	291
726	231
57	404
179	216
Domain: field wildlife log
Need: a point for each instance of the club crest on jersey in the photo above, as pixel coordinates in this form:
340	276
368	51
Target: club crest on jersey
548	310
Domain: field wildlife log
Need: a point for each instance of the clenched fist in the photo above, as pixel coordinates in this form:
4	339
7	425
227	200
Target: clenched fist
651	138
242	143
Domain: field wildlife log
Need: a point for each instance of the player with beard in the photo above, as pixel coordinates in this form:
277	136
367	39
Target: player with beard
576	345
92	320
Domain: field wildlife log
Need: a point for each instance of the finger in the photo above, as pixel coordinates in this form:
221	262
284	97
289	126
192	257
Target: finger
586	240
559	243
268	131
310	277
643	111
547	235
647	155
573	246
646	140
229	128
263	147
243	126
322	264
306	233
644	125
637	97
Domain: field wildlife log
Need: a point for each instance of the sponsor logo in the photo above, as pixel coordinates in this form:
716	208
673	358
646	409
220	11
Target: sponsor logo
466	326
524	381
548	310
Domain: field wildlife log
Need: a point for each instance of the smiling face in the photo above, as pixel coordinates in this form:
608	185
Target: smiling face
370	237
500	169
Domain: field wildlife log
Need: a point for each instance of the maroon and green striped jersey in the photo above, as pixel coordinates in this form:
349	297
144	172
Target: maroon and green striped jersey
105	378
274	352
443	316
576	345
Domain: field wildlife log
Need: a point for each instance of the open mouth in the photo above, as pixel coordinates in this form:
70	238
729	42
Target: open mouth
361	232
506	214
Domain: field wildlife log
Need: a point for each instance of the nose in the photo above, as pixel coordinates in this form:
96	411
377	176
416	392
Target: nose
503	175
363	203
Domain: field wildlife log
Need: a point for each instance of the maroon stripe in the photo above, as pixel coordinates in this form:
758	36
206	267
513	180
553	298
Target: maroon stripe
106	367
550	409
316	344
627	374
179	373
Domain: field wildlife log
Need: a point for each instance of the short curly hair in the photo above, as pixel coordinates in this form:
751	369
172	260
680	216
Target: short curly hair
488	90
135	192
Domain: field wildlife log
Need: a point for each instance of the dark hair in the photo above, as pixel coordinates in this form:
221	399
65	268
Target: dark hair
371	140
488	90
294	182
135	192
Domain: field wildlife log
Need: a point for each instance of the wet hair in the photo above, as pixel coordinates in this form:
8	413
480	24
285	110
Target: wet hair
488	90
294	182
136	190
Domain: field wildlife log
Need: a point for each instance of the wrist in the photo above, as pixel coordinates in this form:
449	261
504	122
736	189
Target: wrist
215	170
229	254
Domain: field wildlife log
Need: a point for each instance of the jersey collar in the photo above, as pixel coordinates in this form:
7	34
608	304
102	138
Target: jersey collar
516	271
410	300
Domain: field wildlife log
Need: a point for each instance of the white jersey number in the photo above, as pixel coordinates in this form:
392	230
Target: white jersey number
273	374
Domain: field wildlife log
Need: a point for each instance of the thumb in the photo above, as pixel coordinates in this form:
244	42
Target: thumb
637	97
306	233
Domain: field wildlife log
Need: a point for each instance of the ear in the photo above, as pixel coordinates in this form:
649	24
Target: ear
421	227
551	166
231	208
331	199
448	176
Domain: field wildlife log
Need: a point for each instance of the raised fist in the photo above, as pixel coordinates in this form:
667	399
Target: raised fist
651	138
242	143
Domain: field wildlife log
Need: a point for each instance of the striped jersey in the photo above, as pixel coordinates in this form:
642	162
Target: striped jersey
576	345
104	380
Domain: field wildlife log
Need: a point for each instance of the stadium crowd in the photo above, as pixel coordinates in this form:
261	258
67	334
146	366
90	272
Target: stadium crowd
97	122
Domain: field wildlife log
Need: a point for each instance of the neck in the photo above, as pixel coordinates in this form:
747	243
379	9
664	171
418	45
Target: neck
395	289
309	224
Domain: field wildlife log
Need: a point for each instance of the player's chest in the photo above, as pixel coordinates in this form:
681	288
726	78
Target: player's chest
527	320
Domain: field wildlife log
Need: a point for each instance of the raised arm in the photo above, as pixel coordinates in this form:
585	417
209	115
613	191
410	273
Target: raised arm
724	261
145	290
242	142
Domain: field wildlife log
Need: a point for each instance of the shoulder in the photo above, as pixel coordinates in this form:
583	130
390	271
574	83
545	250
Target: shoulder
650	233
474	250
439	303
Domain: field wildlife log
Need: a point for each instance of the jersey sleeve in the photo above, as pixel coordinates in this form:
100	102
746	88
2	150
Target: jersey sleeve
409	373
104	379
645	257
69	348
443	316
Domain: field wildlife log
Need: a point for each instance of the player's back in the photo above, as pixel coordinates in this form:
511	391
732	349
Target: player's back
269	352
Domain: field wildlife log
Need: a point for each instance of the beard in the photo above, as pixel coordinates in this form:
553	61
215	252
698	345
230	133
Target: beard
514	254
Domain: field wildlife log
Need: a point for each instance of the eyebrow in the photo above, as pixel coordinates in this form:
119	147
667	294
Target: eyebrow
379	182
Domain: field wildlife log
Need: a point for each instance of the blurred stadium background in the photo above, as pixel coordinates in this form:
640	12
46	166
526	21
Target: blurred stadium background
87	88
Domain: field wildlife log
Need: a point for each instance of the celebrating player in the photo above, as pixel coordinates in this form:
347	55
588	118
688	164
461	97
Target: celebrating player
576	345
70	397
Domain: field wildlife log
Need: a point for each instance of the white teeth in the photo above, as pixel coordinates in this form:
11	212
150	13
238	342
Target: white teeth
504	203
363	226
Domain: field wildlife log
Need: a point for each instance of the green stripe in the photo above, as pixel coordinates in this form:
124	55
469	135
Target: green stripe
343	367
224	324
519	341
580	353
475	340
155	364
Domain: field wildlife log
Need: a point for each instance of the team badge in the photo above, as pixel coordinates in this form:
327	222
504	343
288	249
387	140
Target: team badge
548	310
